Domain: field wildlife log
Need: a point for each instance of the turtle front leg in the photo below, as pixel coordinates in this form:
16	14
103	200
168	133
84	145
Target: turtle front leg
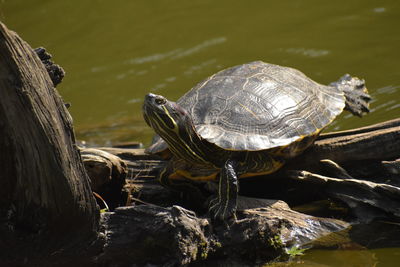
223	207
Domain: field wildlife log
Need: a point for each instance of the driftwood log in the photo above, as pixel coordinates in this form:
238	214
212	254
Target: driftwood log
49	216
361	196
371	178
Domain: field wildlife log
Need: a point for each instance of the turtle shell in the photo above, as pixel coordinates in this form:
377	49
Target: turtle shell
259	106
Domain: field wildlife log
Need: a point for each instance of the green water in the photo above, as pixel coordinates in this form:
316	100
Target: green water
114	52
388	257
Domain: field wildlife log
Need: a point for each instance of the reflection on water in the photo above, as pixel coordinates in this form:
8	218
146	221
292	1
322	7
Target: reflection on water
345	258
308	52
177	53
154	58
116	52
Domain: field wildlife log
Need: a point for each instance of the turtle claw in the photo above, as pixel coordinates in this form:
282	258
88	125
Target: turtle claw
357	97
222	212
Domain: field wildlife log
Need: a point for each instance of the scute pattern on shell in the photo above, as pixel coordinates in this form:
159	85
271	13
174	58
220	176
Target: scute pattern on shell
258	106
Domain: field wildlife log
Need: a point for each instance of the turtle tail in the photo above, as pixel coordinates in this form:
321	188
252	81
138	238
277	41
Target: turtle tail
357	97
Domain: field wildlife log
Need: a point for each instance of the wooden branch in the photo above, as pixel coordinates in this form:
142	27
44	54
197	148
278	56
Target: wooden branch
107	174
360	195
376	142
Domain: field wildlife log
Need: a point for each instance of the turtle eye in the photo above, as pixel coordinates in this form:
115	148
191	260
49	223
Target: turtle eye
160	100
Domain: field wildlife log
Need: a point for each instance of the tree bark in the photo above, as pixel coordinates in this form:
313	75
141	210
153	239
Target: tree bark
46	199
375	142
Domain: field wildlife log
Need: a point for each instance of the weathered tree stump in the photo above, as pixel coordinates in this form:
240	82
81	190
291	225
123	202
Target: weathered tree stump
46	202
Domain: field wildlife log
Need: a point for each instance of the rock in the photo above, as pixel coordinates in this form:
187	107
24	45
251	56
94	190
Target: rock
174	236
296	228
149	234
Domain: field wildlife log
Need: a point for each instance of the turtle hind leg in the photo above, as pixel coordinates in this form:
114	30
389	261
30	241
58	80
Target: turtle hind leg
357	97
189	193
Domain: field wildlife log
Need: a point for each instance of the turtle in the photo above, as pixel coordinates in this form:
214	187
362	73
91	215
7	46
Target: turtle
244	121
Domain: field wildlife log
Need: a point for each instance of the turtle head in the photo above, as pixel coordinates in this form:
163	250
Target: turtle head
175	126
165	117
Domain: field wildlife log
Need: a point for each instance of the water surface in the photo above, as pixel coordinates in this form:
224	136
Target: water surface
115	52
